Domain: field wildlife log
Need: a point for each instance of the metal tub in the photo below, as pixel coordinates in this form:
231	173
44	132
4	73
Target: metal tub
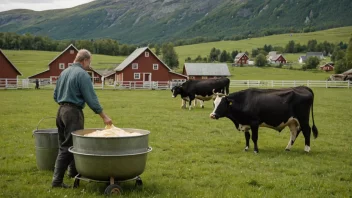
104	166
46	148
110	145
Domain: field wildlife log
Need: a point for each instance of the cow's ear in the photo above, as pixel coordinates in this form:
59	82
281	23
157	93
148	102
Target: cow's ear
229	101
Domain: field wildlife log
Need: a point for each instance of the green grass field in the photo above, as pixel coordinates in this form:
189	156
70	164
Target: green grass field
193	156
332	35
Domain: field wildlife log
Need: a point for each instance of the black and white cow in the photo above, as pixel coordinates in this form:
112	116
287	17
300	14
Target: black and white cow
202	90
273	108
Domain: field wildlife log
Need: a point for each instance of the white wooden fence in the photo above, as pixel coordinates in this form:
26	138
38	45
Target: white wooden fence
160	85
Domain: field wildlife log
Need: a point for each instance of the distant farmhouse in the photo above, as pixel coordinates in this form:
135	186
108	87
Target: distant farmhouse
319	55
327	67
275	58
143	66
241	59
200	71
61	62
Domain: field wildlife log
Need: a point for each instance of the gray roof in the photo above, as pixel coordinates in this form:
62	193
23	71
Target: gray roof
239	55
272	53
207	69
314	54
303	58
347	72
275	56
130	58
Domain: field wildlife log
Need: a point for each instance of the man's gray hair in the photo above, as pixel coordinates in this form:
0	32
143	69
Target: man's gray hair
82	54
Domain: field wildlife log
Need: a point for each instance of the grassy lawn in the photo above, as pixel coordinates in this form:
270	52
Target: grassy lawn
332	35
193	156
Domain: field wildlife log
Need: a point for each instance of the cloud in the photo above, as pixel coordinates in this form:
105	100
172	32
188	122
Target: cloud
39	5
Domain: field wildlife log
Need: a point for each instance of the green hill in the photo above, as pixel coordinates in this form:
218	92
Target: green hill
135	21
332	35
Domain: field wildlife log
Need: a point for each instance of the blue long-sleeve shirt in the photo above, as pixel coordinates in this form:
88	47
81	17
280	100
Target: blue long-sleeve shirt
75	86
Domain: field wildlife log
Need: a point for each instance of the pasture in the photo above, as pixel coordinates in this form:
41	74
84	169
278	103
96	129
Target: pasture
193	156
331	35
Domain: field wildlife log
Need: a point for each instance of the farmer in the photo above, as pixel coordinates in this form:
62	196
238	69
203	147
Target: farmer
73	89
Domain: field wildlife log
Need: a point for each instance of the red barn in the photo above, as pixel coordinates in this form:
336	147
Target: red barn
7	71
144	66
241	59
327	67
61	62
276	58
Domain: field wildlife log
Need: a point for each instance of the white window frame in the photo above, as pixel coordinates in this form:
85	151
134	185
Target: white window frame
146	54
134	65
61	66
72	51
139	76
157	66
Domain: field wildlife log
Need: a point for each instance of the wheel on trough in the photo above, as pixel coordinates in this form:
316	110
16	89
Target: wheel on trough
113	189
139	183
76	183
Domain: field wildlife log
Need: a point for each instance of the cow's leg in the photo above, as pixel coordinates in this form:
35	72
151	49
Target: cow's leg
254	130
294	134
183	104
194	102
201	103
306	130
190	105
247	135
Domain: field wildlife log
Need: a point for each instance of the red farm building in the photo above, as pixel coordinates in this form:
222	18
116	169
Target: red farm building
241	59
8	72
61	62
143	66
327	67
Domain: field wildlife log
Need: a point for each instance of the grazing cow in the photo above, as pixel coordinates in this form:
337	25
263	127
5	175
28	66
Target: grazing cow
273	108
200	89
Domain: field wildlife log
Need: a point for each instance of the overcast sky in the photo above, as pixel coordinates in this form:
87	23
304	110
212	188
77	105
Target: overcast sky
39	5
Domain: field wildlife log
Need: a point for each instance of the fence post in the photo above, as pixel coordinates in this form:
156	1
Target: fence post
5	82
272	83
348	84
326	84
247	83
294	83
307	83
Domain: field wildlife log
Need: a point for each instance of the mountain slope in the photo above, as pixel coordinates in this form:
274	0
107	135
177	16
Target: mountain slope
135	21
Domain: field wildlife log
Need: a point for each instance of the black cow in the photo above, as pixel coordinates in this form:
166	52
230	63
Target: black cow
202	90
273	108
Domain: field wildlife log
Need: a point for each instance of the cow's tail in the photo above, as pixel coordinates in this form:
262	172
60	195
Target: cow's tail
314	128
227	87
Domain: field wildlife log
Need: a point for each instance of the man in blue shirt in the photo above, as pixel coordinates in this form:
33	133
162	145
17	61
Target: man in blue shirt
73	89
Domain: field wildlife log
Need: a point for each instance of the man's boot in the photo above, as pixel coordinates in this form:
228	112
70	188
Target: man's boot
72	172
58	179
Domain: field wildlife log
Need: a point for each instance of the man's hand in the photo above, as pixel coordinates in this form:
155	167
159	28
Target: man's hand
106	119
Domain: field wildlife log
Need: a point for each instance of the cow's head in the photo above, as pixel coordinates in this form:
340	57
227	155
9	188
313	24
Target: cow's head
221	106
176	90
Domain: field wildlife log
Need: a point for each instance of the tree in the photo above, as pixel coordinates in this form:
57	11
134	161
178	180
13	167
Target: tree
349	54
157	49
338	54
312	45
255	52
234	54
312	62
260	60
290	47
223	56
170	56
340	66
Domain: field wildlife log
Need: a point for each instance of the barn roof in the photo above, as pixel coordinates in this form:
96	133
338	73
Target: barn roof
71	45
314	54
275	57
135	54
272	53
239	55
347	72
207	69
10	62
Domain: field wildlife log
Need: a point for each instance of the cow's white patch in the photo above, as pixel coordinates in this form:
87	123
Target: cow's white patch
306	148
183	104
216	104
290	121
243	127
186	98
293	128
